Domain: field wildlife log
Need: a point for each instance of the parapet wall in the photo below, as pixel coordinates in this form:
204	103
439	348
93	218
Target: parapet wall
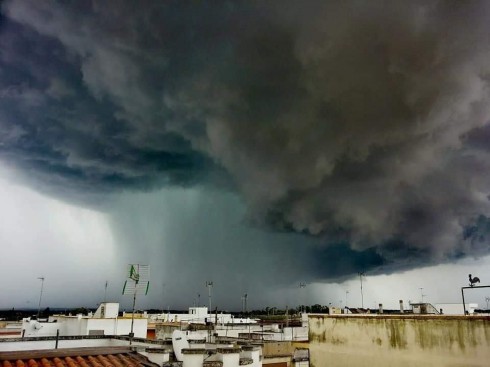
399	340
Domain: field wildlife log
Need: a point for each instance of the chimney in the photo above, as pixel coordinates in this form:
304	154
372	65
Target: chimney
193	357
229	356
401	306
380	308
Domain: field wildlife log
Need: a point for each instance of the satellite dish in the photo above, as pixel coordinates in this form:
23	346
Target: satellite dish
179	342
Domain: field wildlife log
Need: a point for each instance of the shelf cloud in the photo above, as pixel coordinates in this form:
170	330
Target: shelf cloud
358	131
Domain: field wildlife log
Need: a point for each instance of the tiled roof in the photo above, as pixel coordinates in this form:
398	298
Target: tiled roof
75	357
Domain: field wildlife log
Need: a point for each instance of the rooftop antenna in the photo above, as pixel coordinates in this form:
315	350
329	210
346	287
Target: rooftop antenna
302	286
40	296
422	295
244	303
361	274
105	291
209	285
136	284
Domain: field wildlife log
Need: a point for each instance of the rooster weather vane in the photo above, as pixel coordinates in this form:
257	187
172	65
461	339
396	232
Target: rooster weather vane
474	280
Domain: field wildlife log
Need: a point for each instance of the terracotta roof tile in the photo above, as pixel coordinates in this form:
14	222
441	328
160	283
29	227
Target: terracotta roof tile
75	357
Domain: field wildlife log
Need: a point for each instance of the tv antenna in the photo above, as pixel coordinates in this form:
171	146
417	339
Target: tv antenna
244	304
210	286
105	290
136	284
302	285
361	274
40	296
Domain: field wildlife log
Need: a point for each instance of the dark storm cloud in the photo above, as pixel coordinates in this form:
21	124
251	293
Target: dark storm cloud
361	123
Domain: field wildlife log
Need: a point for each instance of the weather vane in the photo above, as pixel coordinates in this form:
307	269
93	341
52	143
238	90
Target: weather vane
474	280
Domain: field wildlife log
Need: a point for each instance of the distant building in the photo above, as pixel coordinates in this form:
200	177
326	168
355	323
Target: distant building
200	315
424	308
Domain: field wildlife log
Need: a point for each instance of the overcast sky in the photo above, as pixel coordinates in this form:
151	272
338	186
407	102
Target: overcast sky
258	145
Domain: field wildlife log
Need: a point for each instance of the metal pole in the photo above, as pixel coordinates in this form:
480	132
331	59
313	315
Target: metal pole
244	303
361	274
105	291
464	304
131	334
346	293
209	285
40	297
470	287
303	286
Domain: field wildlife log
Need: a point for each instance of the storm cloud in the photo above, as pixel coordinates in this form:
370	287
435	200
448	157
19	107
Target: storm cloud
355	129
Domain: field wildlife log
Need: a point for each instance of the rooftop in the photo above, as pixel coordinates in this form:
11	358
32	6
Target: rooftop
75	357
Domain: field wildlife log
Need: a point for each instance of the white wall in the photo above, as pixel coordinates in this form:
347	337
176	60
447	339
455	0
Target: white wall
26	344
36	328
78	325
110	310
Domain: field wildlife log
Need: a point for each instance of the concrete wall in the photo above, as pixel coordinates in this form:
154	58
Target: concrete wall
36	328
399	340
107	310
17	344
78	325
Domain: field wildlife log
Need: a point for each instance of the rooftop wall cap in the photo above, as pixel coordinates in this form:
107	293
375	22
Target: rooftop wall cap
249	347
230	350
246	361
157	350
212	364
193	351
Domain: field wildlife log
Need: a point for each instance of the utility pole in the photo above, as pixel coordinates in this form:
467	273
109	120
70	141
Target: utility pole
361	274
40	297
209	285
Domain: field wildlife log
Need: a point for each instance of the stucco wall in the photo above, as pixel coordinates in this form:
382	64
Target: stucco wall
399	340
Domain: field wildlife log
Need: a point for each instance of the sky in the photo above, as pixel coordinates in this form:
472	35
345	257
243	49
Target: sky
258	145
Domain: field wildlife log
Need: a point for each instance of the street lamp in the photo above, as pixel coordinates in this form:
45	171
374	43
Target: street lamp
40	296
